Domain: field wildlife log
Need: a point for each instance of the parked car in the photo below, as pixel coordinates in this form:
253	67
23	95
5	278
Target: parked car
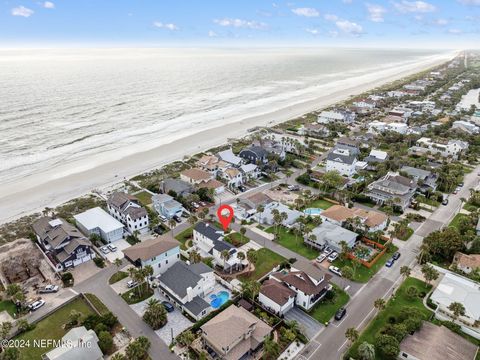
340	313
162	218
177	219
321	258
104	250
396	256
293	187
242	188
195	205
461	184
335	270
49	289
131	284
168	306
389	263
36	305
327	251
203	203
333	256
112	247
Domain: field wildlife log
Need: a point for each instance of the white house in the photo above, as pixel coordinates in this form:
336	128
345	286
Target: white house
276	296
250	171
97	221
365	103
331	235
466	127
187	286
127	209
451	148
267	216
326	117
233	177
229	157
376	126
160	253
341	160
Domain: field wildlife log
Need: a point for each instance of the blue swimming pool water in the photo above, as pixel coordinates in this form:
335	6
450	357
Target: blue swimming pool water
219	299
312	211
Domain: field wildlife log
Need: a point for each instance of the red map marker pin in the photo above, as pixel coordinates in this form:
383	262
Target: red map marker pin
225	220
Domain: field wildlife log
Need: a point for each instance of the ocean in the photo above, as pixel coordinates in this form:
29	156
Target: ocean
63	106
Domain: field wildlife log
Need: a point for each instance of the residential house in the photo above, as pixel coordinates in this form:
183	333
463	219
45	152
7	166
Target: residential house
433	342
267	216
234	334
314	130
377	126
78	344
456	288
277	297
229	157
365	104
367	220
127	209
451	148
217	186
187	286
466	126
250	171
209	163
342	161
343	116
233	177
392	187
309	290
167	206
160	253
209	242
195	176
331	235
376	156
98	221
63	244
255	155
348	144
466	262
247	207
175	186
427	181
397	127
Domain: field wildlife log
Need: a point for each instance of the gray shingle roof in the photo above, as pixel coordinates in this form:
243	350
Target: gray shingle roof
344	159
209	231
179	278
197	305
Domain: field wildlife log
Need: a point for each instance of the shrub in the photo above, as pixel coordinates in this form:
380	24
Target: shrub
392	319
99	262
100	327
105	341
67	279
330	294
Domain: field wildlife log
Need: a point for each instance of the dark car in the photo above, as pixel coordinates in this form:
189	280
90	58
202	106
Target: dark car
177	219
242	188
169	307
340	313
389	263
396	255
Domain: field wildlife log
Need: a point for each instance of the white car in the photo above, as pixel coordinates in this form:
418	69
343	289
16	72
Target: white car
131	284
333	256
52	288
195	205
335	270
321	258
36	305
112	247
104	250
327	251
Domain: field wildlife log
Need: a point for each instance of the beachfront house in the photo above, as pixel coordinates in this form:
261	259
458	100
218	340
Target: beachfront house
160	253
331	235
365	104
394	188
127	209
195	176
229	157
342	116
176	187
98	221
187	287
167	206
255	155
63	244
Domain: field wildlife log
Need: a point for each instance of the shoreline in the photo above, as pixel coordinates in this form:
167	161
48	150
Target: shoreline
28	195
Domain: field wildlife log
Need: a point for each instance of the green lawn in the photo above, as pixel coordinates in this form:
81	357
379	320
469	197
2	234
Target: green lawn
236	239
266	260
144	197
51	328
470	207
423	199
119	275
97	303
394	305
9	306
362	273
319	203
287	239
131	296
184	236
326	309
406	236
456	220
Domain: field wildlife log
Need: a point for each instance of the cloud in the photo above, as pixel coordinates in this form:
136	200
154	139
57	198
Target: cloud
414	7
313	31
441	22
239	23
168	26
22	11
212	33
376	12
469	2
349	27
331	17
455	31
48	5
307	12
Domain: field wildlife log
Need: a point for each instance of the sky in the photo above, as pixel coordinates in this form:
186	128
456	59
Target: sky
179	23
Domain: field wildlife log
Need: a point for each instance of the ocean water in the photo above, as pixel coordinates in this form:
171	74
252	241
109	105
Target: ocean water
61	106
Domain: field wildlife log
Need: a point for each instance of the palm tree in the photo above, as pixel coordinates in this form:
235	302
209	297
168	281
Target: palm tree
457	309
225	255
243	230
429	273
366	351
155	315
147	272
172	223
260	210
405	271
194	257
192	219
379	304
271	349
241	255
251	257
117	262
139	277
351	334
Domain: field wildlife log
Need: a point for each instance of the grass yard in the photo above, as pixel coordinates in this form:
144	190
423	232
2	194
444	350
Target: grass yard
287	239
394	305
184	236
132	297
326	309
144	197
470	207
97	303
456	220
320	203
8	306
266	260
362	273
408	233
236	239
119	275
51	328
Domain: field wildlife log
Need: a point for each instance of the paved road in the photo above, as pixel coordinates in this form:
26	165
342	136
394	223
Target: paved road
98	285
331	343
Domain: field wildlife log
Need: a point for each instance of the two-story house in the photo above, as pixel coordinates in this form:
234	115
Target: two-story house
392	188
160	253
233	177
342	161
127	209
167	206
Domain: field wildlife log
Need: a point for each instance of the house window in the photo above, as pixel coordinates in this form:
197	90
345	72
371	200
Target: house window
153	259
159	265
405	355
166	262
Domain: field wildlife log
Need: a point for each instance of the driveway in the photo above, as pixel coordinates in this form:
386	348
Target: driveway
84	271
176	321
309	326
121	286
121	244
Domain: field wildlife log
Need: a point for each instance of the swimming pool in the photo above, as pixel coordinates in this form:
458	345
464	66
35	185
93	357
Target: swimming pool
219	299
312	211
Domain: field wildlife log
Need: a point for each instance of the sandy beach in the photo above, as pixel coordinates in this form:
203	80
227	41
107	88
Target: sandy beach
65	182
